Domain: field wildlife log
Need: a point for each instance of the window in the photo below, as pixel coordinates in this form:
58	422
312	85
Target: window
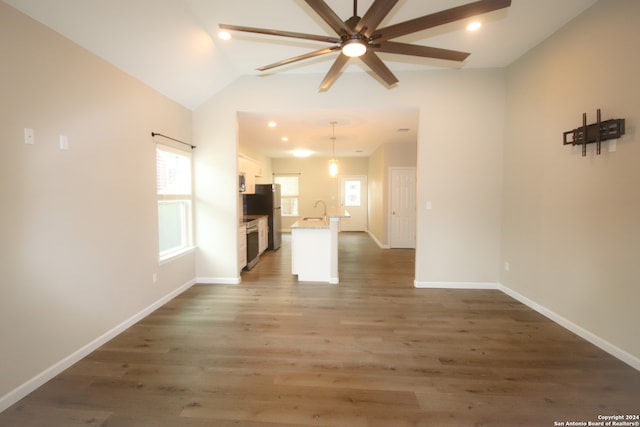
174	201
288	194
352	192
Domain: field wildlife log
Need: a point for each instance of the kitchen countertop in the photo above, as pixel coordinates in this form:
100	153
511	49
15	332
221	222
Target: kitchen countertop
314	223
319	223
250	218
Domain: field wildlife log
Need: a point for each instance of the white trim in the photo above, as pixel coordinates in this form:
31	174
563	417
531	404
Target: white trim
219	280
31	385
173	147
177	254
605	345
456	285
364	202
390	171
378	242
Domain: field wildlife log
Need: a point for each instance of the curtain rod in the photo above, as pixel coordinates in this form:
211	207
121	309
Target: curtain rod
173	139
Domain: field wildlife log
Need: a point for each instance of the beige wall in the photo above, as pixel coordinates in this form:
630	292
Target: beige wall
316	183
460	145
79	243
79	227
377	196
459	161
386	156
571	230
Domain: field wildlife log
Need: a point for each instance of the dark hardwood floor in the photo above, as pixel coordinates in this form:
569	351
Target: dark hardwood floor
371	351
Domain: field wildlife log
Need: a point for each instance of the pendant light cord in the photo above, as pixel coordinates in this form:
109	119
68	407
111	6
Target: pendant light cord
333	139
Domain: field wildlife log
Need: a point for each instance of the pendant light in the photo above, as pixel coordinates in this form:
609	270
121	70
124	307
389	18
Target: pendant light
333	164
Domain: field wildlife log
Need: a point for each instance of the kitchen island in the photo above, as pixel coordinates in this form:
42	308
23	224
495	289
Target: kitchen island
314	248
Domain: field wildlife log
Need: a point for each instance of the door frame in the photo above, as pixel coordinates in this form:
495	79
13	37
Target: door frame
365	195
390	206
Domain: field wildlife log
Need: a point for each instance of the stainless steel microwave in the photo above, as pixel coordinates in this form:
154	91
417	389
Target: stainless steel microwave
242	182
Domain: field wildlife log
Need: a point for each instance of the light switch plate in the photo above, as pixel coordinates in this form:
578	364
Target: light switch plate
29	136
64	142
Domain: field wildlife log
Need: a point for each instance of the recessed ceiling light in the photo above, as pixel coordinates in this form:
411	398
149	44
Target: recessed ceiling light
301	153
272	124
285	139
224	35
475	25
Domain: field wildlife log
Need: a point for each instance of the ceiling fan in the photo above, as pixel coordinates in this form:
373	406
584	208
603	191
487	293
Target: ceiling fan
361	37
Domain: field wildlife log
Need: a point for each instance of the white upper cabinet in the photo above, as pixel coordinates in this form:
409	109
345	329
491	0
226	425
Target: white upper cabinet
251	169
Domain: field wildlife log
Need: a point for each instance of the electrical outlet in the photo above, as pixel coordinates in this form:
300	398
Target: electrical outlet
506	266
154	277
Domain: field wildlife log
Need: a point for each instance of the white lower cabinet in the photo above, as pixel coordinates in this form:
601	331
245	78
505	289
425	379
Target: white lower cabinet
263	234
242	247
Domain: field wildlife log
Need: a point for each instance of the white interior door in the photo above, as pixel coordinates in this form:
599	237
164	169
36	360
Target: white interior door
353	198
402	188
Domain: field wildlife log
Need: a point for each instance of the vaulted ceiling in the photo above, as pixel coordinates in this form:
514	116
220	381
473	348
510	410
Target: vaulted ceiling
172	45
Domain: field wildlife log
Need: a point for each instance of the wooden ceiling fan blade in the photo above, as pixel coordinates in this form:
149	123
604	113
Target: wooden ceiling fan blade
379	67
329	16
300	58
280	33
423	51
334	72
376	13
439	18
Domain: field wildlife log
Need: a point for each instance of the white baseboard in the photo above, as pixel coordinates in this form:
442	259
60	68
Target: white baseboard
456	285
21	391
605	345
378	242
218	280
31	385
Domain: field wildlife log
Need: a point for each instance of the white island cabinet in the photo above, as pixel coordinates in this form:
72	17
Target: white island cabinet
314	249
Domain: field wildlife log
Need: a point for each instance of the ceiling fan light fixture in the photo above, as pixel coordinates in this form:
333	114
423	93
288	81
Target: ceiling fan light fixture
354	47
362	36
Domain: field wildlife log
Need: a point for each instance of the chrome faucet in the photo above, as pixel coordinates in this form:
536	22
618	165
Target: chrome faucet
324	210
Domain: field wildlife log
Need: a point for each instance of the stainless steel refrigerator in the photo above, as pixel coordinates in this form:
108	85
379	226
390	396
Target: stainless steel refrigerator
266	201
